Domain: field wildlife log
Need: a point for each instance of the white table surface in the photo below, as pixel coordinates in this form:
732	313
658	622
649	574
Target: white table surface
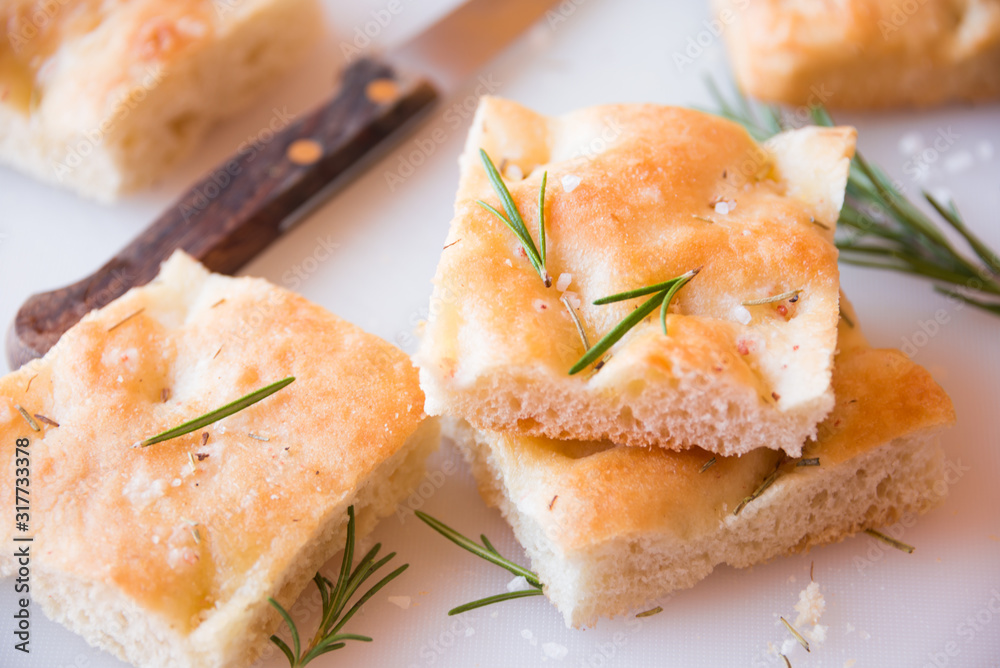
884	607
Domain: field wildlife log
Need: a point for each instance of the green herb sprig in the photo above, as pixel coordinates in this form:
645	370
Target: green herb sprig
664	293
217	414
489	553
880	228
514	220
335	598
889	540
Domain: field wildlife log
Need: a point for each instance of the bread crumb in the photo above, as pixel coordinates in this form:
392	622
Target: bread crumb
570	182
850	663
528	635
817	634
810	606
555	651
403	602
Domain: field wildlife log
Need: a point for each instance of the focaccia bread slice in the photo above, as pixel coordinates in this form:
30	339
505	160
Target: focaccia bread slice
103	96
864	54
637	195
166	555
611	528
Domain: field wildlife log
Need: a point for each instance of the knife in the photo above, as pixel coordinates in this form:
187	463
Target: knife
240	207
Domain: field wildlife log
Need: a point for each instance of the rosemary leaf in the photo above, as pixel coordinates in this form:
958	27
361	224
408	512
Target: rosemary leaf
576	321
649	613
776	298
507	596
612	337
707	465
795	632
664	293
514	220
809	461
217	414
889	540
27	418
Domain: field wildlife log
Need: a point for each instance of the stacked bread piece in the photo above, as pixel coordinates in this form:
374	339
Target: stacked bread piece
166	555
754	420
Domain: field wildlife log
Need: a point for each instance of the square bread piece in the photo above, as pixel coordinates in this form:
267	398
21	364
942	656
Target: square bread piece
637	195
104	96
611	528
864	54
166	555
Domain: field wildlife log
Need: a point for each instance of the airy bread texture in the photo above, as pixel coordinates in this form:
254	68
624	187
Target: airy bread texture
103	97
609	528
639	194
166	555
864	54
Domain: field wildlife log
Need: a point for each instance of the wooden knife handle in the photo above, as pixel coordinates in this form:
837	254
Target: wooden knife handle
238	209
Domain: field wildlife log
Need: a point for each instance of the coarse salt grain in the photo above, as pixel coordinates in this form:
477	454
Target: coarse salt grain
741	314
910	143
570	182
514	173
520	583
554	650
572	298
563	282
722	208
176	482
120	379
508	262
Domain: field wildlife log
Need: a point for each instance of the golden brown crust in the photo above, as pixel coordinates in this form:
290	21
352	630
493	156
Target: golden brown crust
643	211
184	527
865	54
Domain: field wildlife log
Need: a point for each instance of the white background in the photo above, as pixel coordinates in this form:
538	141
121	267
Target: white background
884	607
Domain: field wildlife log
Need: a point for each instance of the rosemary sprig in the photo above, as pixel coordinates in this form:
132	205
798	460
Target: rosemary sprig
335	598
489	553
664	293
515	221
880	228
217	414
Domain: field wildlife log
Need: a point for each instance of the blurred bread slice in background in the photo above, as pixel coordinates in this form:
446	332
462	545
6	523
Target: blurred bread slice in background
864	54
103	97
